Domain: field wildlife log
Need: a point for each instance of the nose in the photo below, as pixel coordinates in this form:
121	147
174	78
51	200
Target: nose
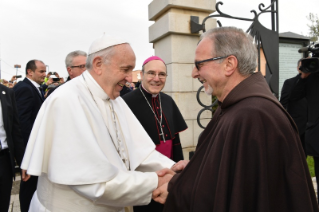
156	78
195	73
129	77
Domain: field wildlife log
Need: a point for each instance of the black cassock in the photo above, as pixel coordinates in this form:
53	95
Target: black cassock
172	123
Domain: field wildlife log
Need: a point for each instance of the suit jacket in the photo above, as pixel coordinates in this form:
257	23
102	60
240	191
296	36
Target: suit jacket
309	88
296	108
29	102
11	126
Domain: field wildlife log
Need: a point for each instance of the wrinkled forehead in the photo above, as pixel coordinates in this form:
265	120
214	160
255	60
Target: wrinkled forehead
204	48
79	59
155	65
124	55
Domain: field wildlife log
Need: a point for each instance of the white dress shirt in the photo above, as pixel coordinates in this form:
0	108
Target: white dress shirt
35	85
3	135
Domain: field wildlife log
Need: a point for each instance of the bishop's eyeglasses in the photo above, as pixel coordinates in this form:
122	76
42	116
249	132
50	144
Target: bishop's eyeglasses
152	74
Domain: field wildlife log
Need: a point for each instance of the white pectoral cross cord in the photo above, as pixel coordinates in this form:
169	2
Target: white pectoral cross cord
121	147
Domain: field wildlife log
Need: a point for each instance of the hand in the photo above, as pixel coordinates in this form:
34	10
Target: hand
49	82
25	177
10	85
164	179
14	78
48	75
304	75
180	166
57	75
61	80
163	172
160	194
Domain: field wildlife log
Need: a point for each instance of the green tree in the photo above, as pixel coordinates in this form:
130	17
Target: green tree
314	26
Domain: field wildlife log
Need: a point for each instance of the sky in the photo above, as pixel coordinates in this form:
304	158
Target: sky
49	30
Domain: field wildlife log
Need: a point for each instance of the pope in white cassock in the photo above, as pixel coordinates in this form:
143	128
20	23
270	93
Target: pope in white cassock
87	147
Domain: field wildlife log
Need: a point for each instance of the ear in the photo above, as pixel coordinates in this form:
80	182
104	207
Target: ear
231	64
29	71
69	70
142	75
97	65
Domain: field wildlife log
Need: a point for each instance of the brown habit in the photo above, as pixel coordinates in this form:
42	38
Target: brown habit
248	159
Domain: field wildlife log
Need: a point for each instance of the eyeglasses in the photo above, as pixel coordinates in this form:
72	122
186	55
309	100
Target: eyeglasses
152	74
197	63
80	66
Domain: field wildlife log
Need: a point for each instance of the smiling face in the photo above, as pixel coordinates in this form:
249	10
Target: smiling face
113	75
210	72
153	79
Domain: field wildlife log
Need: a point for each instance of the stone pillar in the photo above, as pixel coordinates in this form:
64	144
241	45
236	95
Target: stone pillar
175	44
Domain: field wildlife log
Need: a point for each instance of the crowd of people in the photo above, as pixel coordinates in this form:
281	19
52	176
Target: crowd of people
51	80
88	147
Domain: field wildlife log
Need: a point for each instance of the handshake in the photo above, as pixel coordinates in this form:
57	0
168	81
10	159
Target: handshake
164	176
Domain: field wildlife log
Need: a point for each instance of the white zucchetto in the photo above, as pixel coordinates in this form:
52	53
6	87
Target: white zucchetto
104	42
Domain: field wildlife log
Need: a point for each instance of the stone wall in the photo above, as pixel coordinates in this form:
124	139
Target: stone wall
175	44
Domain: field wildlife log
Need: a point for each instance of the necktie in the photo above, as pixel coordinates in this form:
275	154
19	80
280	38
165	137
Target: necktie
41	92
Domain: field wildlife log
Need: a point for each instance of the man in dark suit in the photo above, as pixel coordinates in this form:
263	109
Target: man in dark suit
11	144
296	108
29	97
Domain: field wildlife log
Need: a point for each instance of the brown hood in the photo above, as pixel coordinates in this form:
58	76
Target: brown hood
253	86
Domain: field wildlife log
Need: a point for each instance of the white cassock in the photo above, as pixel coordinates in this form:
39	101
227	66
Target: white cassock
79	167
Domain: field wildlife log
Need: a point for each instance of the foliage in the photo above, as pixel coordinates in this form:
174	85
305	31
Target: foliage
311	166
314	26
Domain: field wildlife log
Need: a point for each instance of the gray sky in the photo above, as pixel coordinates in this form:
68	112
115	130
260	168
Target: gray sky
49	30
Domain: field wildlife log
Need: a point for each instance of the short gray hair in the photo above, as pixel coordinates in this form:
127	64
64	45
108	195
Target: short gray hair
234	41
105	54
69	58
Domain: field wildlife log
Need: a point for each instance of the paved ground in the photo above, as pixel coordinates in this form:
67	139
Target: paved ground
15	204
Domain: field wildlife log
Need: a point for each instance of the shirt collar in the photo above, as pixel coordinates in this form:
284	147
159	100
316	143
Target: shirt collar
94	87
34	83
153	95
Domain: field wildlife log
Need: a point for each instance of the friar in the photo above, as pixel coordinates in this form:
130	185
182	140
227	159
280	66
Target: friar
249	158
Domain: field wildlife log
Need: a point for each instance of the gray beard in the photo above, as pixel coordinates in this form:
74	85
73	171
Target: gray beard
209	91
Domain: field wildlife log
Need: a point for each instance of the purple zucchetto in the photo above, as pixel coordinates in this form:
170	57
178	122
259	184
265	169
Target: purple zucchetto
153	58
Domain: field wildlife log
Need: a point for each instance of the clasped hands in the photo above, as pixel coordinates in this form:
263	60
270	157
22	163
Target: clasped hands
164	176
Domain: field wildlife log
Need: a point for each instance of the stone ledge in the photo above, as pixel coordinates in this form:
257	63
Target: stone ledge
176	21
158	7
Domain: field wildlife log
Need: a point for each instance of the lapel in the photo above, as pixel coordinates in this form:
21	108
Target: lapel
3	98
35	89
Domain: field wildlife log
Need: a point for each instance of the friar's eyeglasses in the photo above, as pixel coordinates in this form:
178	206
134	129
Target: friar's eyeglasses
197	63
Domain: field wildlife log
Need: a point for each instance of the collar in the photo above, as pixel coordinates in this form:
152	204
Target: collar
153	95
34	83
94	87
